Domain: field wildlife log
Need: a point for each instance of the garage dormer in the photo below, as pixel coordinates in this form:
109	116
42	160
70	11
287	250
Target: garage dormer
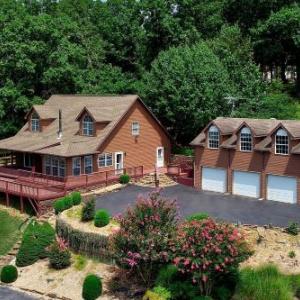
246	140
213	137
281	142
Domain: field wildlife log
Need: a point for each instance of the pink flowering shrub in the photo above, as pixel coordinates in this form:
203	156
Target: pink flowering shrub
59	254
142	243
205	251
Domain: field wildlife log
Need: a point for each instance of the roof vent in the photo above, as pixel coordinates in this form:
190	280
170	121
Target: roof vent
59	132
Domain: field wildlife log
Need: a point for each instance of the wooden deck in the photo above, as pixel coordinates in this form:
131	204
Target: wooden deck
38	187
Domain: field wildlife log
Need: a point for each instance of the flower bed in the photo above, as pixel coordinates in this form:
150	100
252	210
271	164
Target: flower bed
84	237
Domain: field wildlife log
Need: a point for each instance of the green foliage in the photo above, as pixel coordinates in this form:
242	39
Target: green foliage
166	275
183	151
157	293
198	217
124	179
102	218
59	206
36	238
68	201
76	197
292	254
293	228
9	231
59	255
80	262
92	287
9	274
186	87
266	282
88	210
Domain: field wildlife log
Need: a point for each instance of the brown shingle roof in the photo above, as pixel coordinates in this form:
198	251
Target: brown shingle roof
259	127
103	108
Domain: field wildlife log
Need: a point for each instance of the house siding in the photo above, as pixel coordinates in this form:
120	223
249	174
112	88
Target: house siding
264	163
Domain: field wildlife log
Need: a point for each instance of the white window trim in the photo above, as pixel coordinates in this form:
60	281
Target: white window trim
135	128
213	128
286	145
90	165
87	126
251	142
105	159
73	160
35	120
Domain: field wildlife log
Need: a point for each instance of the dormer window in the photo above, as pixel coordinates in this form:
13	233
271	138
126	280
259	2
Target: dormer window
213	137
88	126
281	142
35	122
246	140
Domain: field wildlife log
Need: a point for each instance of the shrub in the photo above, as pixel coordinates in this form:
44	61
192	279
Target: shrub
59	206
197	217
59	254
264	283
88	211
9	274
76	197
92	287
68	201
124	179
293	228
36	238
206	251
166	275
292	254
157	293
141	244
101	218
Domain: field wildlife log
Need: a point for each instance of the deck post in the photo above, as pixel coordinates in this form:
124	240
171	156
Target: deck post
86	181
6	193
21	199
106	178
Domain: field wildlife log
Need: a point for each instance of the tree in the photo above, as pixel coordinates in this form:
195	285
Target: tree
278	38
186	87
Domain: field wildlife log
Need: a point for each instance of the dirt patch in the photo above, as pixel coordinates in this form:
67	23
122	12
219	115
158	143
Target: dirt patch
149	181
63	284
272	245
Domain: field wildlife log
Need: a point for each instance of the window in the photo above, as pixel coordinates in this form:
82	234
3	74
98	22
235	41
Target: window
27	160
88	126
88	164
55	166
105	160
35	122
281	142
246	139
76	166
213	137
135	128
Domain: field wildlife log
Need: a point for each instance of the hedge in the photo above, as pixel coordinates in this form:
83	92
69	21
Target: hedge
88	243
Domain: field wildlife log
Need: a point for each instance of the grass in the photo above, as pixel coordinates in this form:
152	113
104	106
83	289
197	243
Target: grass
266	282
9	231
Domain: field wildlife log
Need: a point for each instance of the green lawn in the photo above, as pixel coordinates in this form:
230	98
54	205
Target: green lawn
9	231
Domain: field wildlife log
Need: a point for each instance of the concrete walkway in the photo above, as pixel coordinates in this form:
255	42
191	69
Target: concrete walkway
225	207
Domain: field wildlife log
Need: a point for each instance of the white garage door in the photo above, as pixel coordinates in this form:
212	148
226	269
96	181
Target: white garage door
282	188
214	179
246	184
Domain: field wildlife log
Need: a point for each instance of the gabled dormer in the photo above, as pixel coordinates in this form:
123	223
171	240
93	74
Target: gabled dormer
281	141
91	122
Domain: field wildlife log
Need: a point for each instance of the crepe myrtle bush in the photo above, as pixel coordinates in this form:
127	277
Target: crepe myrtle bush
205	251
142	242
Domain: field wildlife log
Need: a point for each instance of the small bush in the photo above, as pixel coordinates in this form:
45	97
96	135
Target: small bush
265	283
9	274
92	287
166	275
80	262
88	211
102	218
68	202
293	228
124	179
36	238
59	206
197	217
59	254
157	293
76	197
292	254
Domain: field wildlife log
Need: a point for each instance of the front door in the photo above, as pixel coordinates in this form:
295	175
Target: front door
119	162
160	160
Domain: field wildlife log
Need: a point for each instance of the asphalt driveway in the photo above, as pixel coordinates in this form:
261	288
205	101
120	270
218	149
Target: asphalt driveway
226	207
10	294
